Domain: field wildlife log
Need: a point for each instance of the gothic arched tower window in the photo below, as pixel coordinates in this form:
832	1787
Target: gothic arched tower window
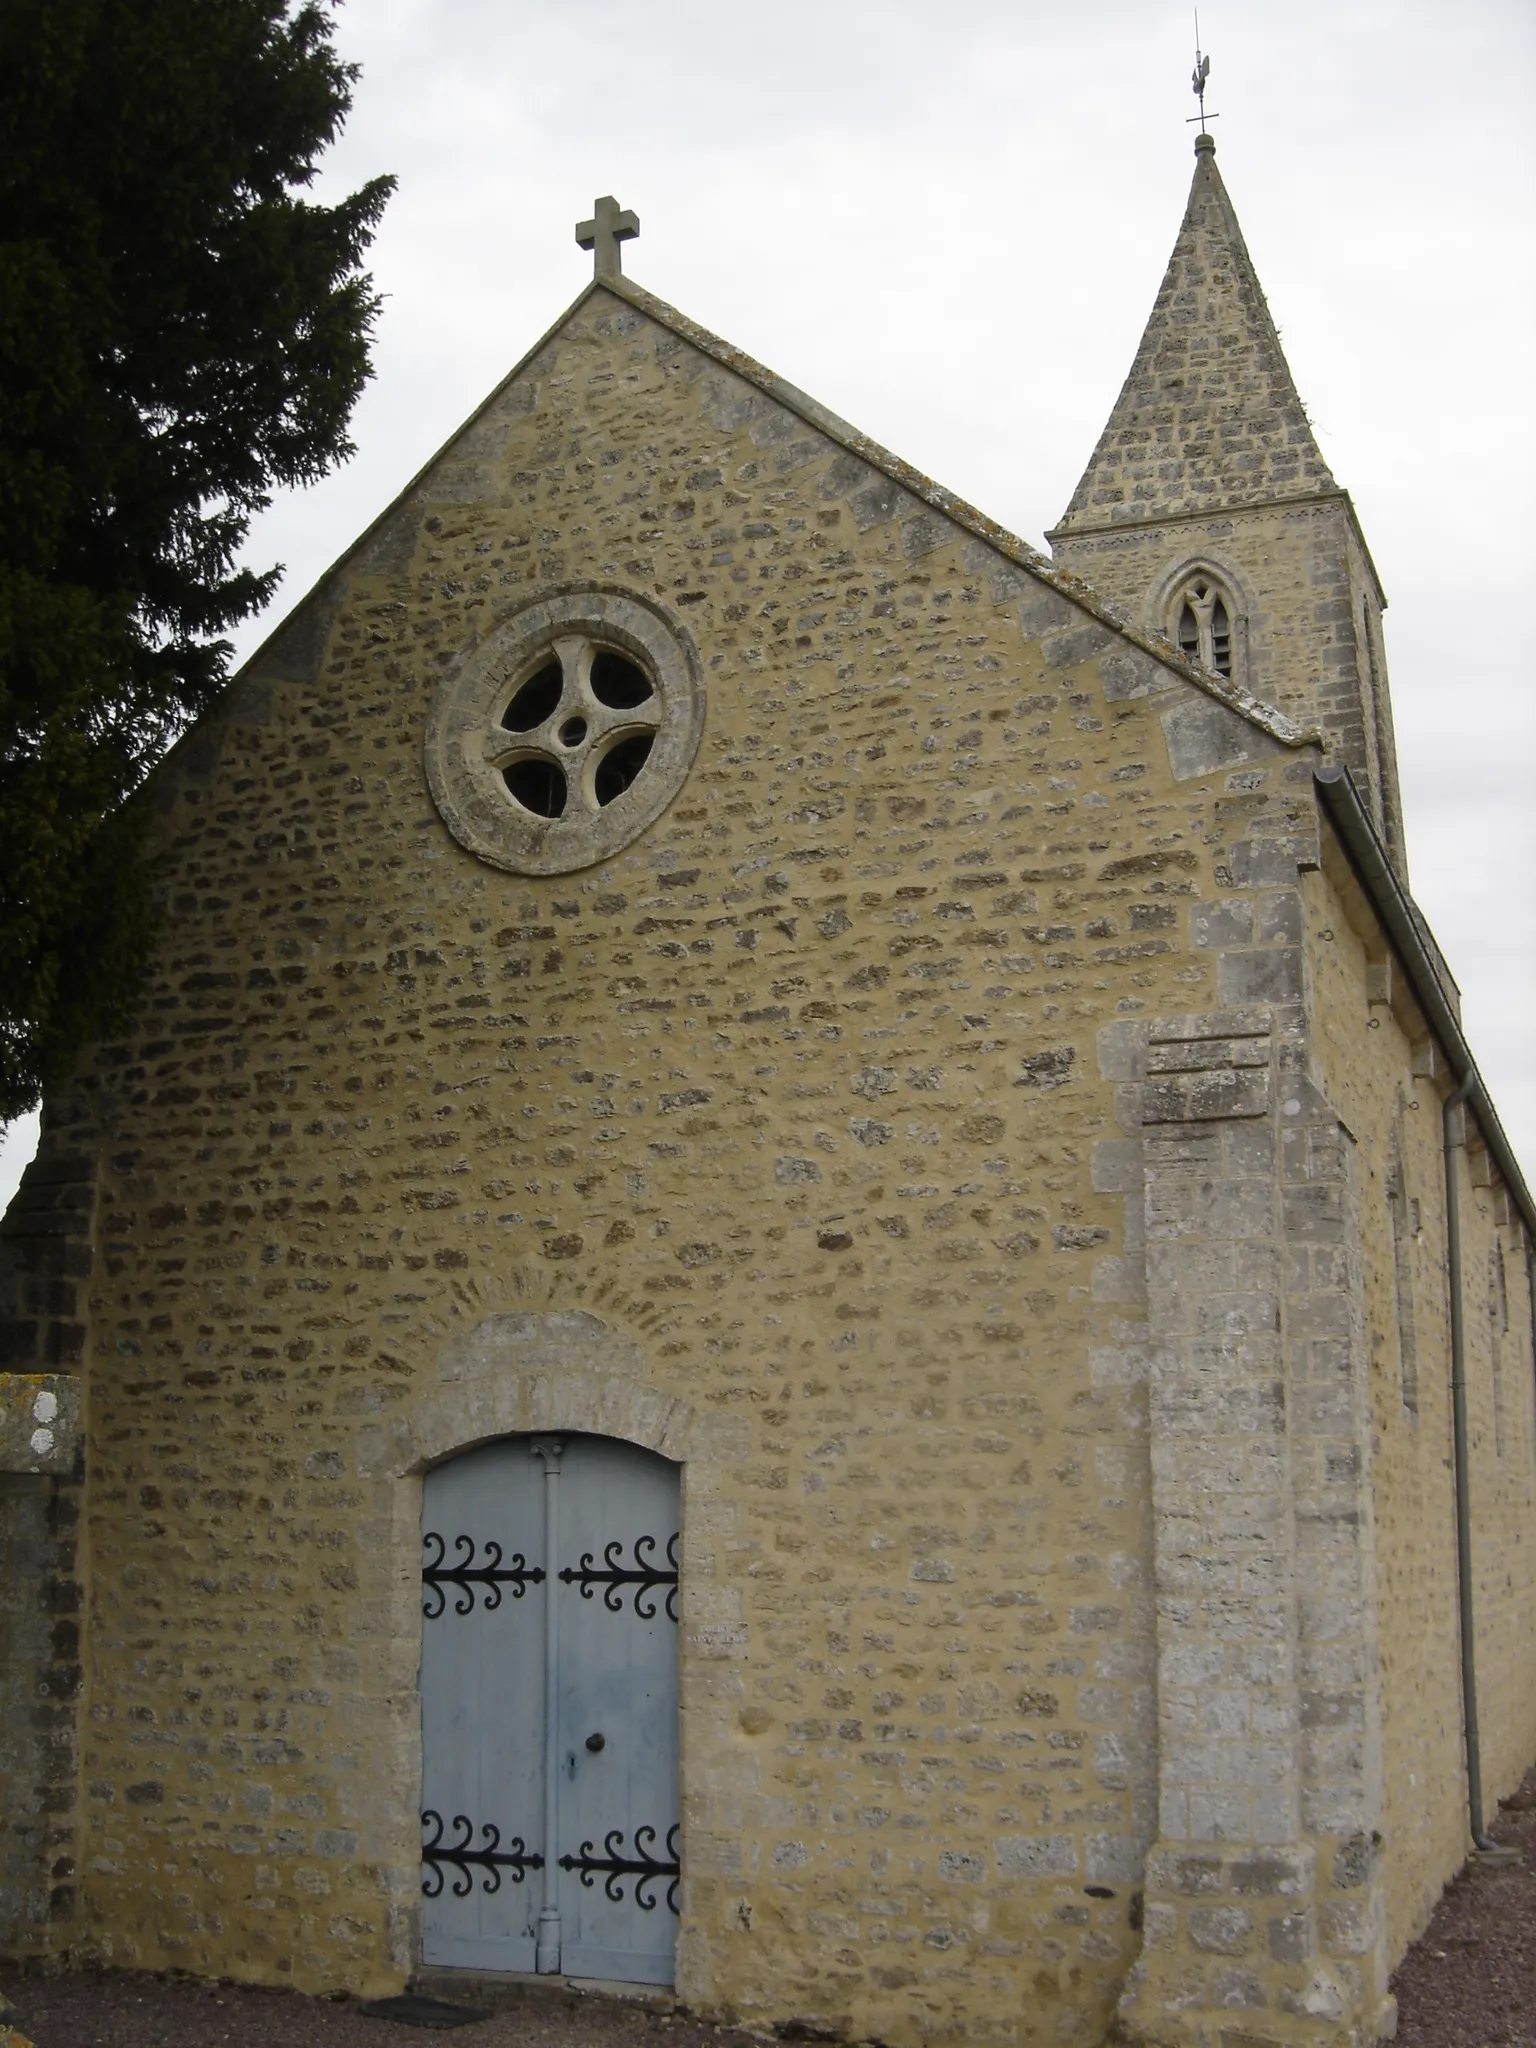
1202	615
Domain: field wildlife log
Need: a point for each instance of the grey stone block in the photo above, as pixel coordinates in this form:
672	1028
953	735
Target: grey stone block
1244	1022
1226	922
1203	736
920	536
1185	1056
1202	1098
1221	1930
1043	611
1281	918
1121	1281
878	501
1117	1168
1067	648
1036	1855
388	549
1273	975
1122	1049
1113	1859
1128	672
1314	1213
1265	863
790	1172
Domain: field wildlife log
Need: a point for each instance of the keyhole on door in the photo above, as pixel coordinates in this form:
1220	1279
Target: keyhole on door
597	1742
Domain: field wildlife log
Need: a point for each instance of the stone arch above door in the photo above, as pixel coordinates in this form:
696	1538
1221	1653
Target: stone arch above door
524	1371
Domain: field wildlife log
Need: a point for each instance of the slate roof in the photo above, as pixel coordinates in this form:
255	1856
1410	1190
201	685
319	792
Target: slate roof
1209	416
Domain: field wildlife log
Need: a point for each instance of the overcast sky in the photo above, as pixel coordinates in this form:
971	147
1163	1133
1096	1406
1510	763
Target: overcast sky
948	221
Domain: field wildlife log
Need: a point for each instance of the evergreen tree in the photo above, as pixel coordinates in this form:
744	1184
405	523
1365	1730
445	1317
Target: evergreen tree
180	332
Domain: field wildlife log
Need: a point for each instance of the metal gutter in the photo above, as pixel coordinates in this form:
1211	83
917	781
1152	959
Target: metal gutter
1454	1140
1401	920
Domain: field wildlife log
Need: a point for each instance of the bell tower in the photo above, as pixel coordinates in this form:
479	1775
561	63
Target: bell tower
1208	512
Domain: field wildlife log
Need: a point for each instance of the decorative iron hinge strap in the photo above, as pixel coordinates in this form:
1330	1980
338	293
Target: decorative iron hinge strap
644	1576
647	1870
466	1575
490	1861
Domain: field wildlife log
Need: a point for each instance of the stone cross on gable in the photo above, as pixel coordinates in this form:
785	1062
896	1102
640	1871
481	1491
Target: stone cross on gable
603	234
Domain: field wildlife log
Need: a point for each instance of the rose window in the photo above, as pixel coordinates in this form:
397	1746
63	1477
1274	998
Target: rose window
578	731
567	733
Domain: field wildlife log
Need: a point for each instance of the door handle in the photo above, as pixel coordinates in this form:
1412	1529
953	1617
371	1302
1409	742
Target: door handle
596	1743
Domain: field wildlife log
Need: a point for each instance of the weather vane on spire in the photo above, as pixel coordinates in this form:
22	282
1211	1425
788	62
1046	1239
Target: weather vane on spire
1198	77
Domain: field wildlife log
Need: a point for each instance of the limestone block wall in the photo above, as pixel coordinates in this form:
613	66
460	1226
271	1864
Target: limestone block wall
1383	1074
1263	1891
923	1131
798	1095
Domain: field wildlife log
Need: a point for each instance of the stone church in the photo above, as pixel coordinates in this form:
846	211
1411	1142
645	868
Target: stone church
797	1284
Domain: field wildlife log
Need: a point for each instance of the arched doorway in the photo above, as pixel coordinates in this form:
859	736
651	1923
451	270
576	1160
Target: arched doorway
549	1709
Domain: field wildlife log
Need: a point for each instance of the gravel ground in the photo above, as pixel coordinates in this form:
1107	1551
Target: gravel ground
131	2009
1469	1982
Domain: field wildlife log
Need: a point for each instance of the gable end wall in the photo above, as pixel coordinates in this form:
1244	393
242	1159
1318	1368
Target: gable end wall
804	1095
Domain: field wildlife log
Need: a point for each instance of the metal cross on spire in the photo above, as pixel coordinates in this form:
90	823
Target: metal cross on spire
609	226
1198	77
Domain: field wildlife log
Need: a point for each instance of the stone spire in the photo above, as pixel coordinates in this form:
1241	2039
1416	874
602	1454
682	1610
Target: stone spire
1208	416
1208	513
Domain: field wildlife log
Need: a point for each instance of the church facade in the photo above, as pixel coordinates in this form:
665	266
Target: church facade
791	1279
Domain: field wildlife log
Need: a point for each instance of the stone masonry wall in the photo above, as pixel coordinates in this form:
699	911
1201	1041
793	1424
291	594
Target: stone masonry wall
797	1094
918	1132
45	1267
1389	1083
1309	635
1263	1889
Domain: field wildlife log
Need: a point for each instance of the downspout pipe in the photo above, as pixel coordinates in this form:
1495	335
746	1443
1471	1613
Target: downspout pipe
1453	1120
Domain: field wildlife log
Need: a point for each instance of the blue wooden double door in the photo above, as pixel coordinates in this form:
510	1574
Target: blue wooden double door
549	1726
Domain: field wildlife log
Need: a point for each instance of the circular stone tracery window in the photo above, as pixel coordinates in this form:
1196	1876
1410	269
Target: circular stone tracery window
567	733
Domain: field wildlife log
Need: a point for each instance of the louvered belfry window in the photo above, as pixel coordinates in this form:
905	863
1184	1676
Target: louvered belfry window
1203	625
